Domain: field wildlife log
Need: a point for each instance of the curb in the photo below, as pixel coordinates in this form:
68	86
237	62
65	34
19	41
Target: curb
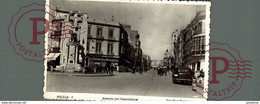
79	75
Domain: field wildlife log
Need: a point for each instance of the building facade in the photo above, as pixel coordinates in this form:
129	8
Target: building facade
189	44
194	43
82	43
127	53
131	54
103	43
189	47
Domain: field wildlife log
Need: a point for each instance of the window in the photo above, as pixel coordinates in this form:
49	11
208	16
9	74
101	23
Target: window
56	35
98	48
199	42
110	49
89	29
203	42
87	46
198	65
99	32
110	32
203	30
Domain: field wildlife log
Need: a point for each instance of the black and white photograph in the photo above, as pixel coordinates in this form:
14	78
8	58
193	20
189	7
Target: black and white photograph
126	50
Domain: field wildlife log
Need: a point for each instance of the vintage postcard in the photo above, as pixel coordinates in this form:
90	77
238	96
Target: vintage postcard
136	50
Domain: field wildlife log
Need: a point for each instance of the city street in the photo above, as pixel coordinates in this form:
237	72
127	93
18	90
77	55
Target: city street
148	84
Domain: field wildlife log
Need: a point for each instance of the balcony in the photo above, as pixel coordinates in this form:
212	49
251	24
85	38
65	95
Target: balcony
55	50
100	37
198	53
111	38
199	31
99	52
111	53
89	36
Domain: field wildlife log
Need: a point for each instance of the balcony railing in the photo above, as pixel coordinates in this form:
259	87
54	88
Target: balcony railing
110	53
111	38
198	52
99	52
89	36
100	37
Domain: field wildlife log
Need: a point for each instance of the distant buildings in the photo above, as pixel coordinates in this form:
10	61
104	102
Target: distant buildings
156	63
167	59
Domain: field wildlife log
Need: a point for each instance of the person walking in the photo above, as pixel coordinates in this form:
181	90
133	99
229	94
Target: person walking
107	68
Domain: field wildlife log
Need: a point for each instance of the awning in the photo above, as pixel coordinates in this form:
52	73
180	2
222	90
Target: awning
53	56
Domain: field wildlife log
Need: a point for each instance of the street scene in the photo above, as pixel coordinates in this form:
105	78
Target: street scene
148	84
126	49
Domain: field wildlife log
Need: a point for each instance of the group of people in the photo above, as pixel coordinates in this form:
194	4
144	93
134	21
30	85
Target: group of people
107	69
138	69
162	70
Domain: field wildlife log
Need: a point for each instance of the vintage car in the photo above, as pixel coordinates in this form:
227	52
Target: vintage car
182	74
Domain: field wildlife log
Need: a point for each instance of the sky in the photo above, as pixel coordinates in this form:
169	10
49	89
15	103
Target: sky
154	22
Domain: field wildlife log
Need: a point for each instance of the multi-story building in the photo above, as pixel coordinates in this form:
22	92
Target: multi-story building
127	54
178	50
189	45
103	42
194	42
81	42
130	48
135	41
174	38
172	51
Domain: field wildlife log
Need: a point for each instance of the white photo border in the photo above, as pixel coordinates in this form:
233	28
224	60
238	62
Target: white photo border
100	97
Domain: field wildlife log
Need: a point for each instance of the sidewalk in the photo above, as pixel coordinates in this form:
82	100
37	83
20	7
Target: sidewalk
80	74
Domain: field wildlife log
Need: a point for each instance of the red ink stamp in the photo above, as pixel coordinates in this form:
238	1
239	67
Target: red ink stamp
27	31
227	72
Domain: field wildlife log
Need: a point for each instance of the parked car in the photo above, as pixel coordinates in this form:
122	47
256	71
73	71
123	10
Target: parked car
182	74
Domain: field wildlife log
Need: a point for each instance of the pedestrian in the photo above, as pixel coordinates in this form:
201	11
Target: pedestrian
112	69
159	71
107	67
140	70
133	70
99	68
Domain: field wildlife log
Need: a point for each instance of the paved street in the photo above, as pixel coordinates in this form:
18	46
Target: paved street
148	84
